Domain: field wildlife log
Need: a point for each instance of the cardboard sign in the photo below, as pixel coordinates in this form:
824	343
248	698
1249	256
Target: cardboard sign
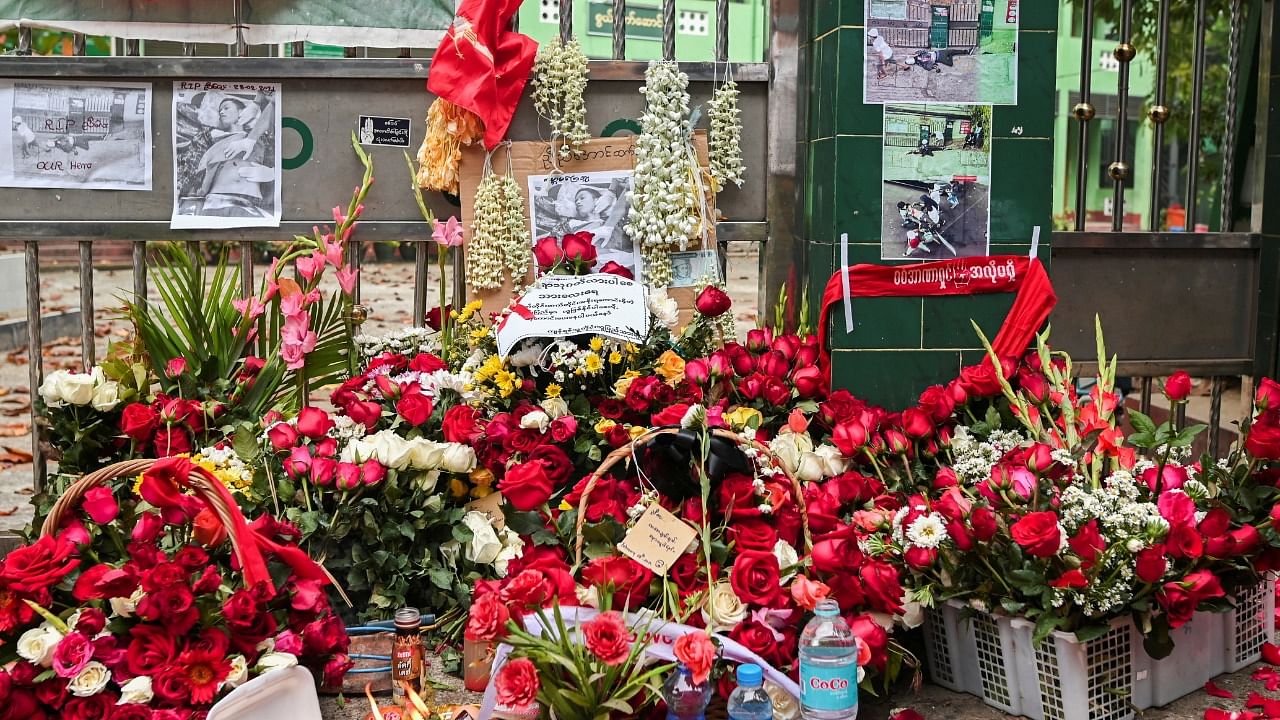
566	305
657	539
534	158
387	131
490	505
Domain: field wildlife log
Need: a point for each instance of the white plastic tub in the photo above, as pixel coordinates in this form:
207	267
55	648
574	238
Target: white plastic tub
277	695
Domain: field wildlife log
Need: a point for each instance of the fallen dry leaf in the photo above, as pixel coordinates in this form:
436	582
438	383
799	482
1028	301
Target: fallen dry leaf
15	429
10	511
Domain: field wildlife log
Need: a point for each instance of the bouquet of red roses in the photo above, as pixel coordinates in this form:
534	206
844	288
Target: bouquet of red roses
167	630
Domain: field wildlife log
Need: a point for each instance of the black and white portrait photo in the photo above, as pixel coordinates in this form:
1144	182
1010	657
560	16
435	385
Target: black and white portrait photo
595	202
226	154
73	135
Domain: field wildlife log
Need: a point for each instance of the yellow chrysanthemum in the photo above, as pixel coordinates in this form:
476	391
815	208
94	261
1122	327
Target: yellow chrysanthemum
480	333
597	343
470	309
615	357
554	390
592	363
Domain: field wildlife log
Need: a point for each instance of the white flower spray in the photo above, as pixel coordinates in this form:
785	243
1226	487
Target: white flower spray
560	77
499	238
724	142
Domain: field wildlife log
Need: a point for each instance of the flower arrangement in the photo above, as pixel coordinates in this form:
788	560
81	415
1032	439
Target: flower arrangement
169	627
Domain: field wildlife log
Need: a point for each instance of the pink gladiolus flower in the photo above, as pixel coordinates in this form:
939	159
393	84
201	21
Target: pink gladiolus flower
310	267
294	304
449	233
272	286
338	217
347	279
250	307
297	340
332	250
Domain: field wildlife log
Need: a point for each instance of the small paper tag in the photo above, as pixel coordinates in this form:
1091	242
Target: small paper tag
657	539
490	505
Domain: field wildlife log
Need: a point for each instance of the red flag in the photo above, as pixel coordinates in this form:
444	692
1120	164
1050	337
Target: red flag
482	66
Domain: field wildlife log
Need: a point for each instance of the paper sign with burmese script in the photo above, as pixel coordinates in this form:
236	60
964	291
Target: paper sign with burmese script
657	539
490	505
565	305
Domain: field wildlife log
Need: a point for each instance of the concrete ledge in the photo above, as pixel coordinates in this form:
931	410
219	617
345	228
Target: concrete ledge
13	333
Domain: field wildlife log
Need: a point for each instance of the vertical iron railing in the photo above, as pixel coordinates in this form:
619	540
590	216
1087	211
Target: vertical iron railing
1229	131
1193	135
1159	113
1084	112
1119	170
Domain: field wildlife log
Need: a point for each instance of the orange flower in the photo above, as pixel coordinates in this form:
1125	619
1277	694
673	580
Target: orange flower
698	654
808	592
671	367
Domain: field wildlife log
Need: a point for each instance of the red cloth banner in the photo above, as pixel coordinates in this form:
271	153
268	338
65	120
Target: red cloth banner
959	276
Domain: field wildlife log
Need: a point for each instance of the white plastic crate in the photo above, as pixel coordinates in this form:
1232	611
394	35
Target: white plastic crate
950	648
997	671
1250	624
1196	658
1096	680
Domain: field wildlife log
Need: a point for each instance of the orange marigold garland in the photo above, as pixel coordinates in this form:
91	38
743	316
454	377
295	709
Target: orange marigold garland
449	127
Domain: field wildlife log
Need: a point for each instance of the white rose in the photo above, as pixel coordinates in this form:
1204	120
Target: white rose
785	705
833	463
37	645
588	596
276	661
555	407
49	389
76	388
666	309
810	468
723	610
535	420
912	613
390	449
427	480
457	458
126	607
512	548
91	680
450	550
790	447
424	454
239	672
106	396
138	691
484	546
787	558
266	646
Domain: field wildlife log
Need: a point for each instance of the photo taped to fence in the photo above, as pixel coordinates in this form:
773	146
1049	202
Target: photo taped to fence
76	135
941	51
936	175
226	154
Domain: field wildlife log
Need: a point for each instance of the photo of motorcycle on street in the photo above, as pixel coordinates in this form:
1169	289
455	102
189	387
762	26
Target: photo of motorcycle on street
937	177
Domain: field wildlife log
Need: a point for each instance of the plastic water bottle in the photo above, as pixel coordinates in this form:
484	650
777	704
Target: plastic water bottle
686	699
749	701
828	666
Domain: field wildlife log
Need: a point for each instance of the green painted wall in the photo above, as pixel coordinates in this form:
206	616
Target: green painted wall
901	345
695	30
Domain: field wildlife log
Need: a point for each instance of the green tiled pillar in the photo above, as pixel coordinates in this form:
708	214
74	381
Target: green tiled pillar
901	345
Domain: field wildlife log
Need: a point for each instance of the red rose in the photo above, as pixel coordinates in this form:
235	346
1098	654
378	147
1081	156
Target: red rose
171	687
626	579
73	653
579	250
1263	440
91	621
758	638
151	648
547	253
170	441
609	499
916	423
426	363
617	436
325	636
147	527
809	381
246	618
1087	543
1038	533
671	415
139	421
937	402
93	707
564	428
314	422
526	486
132	711
712	302
367	413
461	424
753	535
100	505
191	558
554	461
689	574
881	586
1203	585
487	619
414	407
835	555
516	683
207	529
874	636
1267	398
283	436
34	568
613	268
208	580
334	670
1177	386
102	582
755	578
606	636
174	607
1151	564
850	437
980	380
1177	603
309	597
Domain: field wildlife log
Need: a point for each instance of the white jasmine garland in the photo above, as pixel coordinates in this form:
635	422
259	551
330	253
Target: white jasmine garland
559	79
138	690
90	681
724	141
499	239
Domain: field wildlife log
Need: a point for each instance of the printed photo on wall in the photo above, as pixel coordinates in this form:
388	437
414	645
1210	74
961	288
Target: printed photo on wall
950	51
71	135
595	202
936	172
226	154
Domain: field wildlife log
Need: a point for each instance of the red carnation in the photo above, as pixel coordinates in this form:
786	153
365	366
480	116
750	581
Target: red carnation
698	654
487	619
607	636
517	683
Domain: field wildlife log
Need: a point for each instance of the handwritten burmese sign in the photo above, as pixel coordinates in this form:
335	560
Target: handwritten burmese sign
641	21
566	305
657	539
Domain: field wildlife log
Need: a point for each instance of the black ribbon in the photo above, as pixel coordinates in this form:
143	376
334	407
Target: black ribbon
668	461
